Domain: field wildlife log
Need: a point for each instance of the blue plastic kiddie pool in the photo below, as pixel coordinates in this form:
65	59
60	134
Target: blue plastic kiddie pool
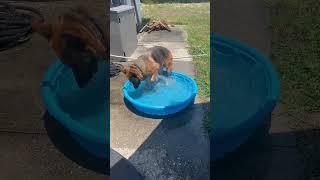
244	92
168	96
82	111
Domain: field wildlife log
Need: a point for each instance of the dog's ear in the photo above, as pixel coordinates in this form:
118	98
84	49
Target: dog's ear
44	29
125	70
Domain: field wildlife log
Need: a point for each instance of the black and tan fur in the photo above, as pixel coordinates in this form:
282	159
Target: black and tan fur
150	65
78	40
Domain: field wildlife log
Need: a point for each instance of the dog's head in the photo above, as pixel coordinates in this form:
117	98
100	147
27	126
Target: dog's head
134	74
77	40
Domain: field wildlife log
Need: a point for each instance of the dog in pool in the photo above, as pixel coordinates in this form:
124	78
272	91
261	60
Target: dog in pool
157	61
79	40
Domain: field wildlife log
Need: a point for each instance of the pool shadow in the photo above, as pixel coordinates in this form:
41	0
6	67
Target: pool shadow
63	141
249	161
266	155
172	149
172	120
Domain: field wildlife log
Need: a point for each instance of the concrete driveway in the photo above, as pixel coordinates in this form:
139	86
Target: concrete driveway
173	148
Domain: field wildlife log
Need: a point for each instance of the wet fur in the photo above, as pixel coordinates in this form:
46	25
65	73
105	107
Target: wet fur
163	57
149	65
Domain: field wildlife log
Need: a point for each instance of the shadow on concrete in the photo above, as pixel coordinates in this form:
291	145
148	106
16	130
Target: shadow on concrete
121	168
249	161
177	149
264	156
62	140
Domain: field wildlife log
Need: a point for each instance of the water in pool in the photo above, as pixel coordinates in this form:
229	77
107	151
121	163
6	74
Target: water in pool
166	91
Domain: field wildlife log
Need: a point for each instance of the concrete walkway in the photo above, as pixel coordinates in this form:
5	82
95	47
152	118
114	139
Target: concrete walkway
173	148
276	158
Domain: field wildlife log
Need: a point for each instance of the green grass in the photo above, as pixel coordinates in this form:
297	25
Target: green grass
295	26
196	18
296	52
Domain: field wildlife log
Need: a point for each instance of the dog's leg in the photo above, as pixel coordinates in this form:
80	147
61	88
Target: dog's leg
169	63
154	77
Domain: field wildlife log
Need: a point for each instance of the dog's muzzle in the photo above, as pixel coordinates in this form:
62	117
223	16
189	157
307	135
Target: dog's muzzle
135	81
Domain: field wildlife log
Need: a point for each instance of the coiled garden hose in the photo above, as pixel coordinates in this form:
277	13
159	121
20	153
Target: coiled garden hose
115	69
15	24
15	28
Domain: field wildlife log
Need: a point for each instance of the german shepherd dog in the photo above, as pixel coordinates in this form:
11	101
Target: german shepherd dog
158	60
78	40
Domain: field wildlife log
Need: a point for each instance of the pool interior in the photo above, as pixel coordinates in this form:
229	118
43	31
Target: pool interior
241	87
85	105
165	92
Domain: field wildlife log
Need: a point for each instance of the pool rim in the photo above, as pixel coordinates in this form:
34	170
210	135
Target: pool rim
275	84
53	108
271	99
162	108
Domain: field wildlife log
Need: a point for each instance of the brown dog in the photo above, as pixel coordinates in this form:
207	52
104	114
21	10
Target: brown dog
150	65
78	40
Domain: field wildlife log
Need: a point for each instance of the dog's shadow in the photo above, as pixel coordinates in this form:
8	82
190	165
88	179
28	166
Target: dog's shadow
63	141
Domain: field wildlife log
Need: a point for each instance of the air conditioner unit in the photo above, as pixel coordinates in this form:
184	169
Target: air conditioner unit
123	34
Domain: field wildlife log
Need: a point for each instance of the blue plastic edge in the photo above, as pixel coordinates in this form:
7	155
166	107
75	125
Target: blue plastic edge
273	96
159	110
56	111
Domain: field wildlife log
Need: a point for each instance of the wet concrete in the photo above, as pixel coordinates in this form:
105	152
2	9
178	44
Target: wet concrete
170	148
276	156
122	168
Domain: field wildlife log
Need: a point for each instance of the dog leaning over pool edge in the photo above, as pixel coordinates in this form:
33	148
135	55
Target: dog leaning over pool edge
158	60
80	41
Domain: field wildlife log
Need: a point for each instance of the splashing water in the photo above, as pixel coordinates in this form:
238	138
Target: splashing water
165	92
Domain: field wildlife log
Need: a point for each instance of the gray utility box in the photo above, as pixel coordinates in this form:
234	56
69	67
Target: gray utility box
123	34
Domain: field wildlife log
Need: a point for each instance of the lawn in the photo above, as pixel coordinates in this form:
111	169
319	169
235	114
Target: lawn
196	18
295	26
296	50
